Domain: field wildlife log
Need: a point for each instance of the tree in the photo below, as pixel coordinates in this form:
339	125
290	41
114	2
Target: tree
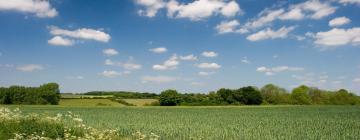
343	97
169	98
248	95
226	95
300	95
273	94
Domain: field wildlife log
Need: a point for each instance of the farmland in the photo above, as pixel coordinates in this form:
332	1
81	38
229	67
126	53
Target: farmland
221	122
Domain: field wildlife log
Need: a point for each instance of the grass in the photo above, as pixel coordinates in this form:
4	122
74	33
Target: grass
74	96
140	102
88	103
244	122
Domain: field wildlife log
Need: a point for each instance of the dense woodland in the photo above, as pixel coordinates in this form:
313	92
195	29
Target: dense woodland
250	95
45	94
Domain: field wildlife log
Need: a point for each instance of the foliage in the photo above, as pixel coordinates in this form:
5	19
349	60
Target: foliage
124	94
169	98
300	95
45	94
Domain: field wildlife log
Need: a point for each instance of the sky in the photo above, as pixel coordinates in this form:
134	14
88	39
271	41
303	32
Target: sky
190	46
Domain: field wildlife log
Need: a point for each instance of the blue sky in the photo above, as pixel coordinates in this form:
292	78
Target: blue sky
191	46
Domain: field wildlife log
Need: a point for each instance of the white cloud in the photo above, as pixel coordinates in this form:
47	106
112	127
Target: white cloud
41	8
110	52
265	17
315	8
202	9
272	71
83	33
227	27
209	54
169	64
60	41
270	34
209	66
189	57
339	21
158	79
230	9
293	14
151	7
245	60
30	67
337	37
349	1
129	65
158	50
203	73
110	73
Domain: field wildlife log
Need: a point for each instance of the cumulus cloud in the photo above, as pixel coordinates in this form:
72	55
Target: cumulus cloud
337	37
316	8
189	57
227	26
30	67
158	79
202	9
82	33
312	9
339	21
169	64
158	50
209	54
41	8
272	71
60	41
209	66
110	52
110	73
150	7
270	34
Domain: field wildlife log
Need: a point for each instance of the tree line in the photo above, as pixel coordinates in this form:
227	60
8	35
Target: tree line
44	94
269	94
124	94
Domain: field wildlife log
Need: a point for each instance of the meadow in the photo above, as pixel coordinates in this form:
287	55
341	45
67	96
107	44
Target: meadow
221	122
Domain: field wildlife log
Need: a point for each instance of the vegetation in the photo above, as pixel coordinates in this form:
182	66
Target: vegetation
45	94
89	102
124	94
269	94
215	123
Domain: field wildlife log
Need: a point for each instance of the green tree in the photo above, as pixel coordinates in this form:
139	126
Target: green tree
248	95
300	95
273	94
169	98
226	95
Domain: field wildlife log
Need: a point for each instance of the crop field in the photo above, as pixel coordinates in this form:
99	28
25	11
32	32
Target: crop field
88	102
230	122
140	102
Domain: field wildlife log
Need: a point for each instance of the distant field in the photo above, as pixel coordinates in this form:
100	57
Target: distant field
215	123
72	96
88	102
140	102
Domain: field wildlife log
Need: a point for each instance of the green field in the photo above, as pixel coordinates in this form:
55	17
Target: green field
237	122
88	103
140	102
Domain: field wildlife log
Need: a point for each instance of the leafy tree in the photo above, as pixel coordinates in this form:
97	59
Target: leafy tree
300	95
248	95
226	95
273	94
169	98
